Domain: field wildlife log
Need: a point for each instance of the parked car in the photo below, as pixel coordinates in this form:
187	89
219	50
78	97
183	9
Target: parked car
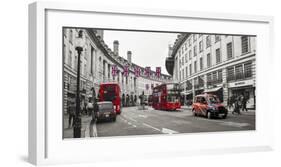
104	111
208	105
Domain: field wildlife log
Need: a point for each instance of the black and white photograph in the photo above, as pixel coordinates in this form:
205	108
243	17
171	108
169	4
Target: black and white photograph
120	82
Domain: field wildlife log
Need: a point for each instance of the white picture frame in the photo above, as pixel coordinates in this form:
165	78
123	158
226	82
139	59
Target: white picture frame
45	143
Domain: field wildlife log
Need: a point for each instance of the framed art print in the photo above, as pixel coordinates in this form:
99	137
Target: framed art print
107	83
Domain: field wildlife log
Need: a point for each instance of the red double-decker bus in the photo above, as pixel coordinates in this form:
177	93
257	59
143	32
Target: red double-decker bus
111	92
166	97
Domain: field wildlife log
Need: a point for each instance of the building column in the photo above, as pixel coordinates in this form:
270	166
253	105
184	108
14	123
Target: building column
193	89
224	86
205	82
105	72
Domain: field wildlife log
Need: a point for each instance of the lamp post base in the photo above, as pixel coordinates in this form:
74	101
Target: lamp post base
77	128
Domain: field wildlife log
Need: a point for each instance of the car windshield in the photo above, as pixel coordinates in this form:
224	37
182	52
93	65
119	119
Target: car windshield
104	107
213	99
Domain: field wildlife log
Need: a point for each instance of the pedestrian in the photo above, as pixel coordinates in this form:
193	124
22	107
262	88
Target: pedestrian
71	114
89	108
95	110
244	103
237	105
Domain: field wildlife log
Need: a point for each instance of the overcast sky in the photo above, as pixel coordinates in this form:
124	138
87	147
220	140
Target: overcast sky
148	48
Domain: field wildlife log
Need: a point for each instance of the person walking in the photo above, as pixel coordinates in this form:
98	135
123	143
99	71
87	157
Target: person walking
237	105
71	114
244	103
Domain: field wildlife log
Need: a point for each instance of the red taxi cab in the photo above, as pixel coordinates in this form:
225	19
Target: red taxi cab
208	105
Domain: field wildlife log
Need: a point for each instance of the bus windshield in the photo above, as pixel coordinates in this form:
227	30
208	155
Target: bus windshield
109	92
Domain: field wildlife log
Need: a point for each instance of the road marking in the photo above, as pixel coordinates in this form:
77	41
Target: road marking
143	116
235	124
134	126
132	119
93	130
168	131
151	127
227	123
129	123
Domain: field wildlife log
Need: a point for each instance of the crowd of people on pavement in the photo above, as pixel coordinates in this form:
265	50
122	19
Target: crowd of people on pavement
237	103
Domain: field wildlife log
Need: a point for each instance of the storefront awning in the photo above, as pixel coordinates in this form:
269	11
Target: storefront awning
212	89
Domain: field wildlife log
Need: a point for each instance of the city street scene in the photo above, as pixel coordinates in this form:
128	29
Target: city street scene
131	82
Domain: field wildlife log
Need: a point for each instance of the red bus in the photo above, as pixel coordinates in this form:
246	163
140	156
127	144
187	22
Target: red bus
166	97
111	92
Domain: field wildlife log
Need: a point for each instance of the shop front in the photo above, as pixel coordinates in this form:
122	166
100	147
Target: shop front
244	88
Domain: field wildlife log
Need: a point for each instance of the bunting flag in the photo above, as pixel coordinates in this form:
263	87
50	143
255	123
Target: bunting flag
114	70
147	71
158	72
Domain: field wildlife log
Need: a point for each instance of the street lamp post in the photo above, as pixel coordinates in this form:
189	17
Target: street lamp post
77	119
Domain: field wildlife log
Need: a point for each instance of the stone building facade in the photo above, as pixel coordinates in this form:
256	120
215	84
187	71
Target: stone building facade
98	63
224	65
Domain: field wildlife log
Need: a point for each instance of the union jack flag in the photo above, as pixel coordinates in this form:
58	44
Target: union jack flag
147	71
126	71
137	71
114	70
158	72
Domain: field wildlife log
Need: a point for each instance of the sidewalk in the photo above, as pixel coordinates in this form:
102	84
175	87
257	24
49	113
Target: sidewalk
68	132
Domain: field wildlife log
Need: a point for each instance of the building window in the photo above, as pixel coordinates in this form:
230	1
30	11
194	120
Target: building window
190	54
201	63
248	70
217	38
200	35
71	36
194	37
208	60
218	55
75	63
245	44
195	51
220	75
190	69
182	62
195	66
186	71
189	41
209	78
208	41
229	50
70	58
185	46
180	75
186	57
230	74
85	70
215	76
239	72
200	46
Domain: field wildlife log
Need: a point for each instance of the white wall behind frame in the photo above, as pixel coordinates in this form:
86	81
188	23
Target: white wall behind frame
13	145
